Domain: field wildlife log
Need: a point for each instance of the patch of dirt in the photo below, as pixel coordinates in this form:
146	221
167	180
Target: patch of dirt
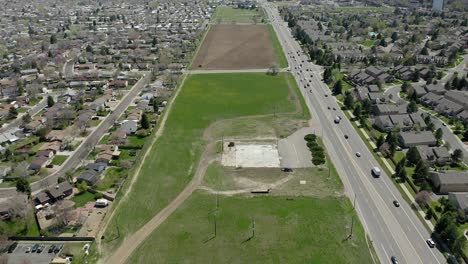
235	47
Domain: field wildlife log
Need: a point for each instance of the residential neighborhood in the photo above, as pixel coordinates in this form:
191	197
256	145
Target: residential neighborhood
225	131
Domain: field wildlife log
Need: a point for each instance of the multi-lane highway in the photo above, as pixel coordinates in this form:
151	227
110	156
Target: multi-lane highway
394	231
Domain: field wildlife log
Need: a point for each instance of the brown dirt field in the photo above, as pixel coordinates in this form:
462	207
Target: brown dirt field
236	47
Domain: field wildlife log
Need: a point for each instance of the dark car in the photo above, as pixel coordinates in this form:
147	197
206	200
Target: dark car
34	248
12	247
287	169
40	249
346	136
58	248
51	249
394	260
396	203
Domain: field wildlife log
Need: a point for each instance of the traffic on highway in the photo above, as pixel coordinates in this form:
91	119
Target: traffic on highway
394	229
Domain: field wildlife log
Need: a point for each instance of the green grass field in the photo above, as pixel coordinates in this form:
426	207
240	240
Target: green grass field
229	15
299	230
171	163
282	61
59	159
82	198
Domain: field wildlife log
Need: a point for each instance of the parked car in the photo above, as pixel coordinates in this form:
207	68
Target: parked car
286	169
394	260
12	247
40	249
51	249
58	248
28	250
34	248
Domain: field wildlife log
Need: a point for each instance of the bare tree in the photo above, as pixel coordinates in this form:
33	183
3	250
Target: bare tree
423	198
20	170
114	139
273	70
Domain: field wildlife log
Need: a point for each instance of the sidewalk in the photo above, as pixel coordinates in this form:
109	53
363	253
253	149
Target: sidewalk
392	171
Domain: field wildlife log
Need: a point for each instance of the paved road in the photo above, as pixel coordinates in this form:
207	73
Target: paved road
32	112
82	151
393	231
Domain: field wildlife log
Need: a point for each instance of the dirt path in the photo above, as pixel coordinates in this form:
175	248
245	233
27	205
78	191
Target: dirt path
248	190
131	243
137	171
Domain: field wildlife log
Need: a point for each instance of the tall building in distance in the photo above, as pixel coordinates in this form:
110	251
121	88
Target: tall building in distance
437	5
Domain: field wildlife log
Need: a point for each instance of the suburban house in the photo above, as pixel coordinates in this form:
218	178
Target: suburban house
436	155
55	135
92	174
450	181
54	194
460	199
411	139
129	126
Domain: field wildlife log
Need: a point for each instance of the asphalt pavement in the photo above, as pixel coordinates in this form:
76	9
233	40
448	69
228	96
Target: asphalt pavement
393	231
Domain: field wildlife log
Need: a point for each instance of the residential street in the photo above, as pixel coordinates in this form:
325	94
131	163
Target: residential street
82	151
393	231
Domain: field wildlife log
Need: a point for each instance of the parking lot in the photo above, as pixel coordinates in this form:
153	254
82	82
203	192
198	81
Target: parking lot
19	255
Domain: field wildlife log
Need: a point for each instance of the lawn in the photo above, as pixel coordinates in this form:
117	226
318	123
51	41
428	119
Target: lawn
136	141
82	199
171	163
297	230
59	159
229	15
23	227
368	43
111	177
282	61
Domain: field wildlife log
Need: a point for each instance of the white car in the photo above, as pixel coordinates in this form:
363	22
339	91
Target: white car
358	154
431	243
28	249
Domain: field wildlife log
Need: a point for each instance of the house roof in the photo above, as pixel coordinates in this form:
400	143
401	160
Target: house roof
59	189
417	138
461	199
452	177
91	176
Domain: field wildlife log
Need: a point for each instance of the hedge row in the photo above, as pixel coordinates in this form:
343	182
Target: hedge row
318	154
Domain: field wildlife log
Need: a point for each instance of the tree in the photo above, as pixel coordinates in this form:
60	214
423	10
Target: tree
82	186
412	107
273	70
457	155
89	49
420	173
413	156
349	100
50	101
41	133
22	185
12	113
53	39
145	124
405	86
380	141
394	36
338	87
424	51
357	110
26	118
439	134
423	198
465	135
